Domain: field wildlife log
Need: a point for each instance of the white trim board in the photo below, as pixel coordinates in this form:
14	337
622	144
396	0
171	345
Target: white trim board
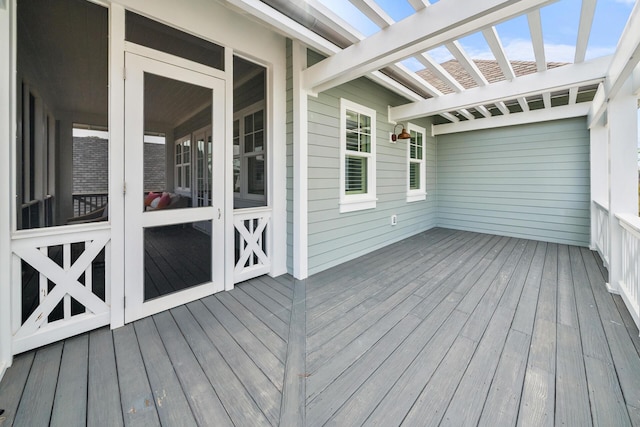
533	116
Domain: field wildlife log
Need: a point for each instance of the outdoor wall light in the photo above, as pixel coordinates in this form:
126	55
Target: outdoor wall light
404	135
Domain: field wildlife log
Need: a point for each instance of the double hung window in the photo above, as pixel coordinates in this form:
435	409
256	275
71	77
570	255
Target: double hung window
357	157
416	166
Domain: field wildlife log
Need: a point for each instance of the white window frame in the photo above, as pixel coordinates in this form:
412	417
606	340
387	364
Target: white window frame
414	195
179	168
356	202
243	156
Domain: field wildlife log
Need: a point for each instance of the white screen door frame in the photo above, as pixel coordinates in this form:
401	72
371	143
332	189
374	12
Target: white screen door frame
137	219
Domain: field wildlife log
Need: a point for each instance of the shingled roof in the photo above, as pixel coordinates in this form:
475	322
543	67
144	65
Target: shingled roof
489	68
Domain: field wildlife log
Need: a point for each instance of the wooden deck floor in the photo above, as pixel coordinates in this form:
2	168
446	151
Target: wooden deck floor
445	328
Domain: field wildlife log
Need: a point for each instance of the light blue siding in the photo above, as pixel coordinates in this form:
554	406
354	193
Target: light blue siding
336	237
289	131
528	181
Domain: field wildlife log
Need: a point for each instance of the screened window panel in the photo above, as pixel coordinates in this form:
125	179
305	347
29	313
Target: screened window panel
355	175
414	176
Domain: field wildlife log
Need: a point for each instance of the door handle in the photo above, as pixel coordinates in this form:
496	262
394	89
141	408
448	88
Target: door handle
219	213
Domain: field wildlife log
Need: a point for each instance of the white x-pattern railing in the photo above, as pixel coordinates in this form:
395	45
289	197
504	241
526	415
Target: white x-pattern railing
34	249
252	230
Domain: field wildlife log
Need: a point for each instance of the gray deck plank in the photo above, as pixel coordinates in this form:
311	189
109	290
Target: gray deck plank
351	347
346	401
572	397
524	318
277	325
607	402
262	390
270	363
537	406
435	397
70	403
407	269
503	399
12	386
260	330
275	290
236	399
203	400
138	403
103	402
293	409
172	405
283	303
468	400
406	389
282	313
339	346
623	353
567	312
37	401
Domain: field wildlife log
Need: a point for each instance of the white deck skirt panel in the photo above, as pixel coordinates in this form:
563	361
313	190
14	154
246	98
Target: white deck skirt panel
451	21
551	80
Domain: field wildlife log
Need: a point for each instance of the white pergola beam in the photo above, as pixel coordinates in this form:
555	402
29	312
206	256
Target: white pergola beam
466	62
285	25
535	28
491	36
551	80
573	95
439	72
430	27
584	29
483	110
503	108
374	12
419	4
334	21
625	60
546	99
555	113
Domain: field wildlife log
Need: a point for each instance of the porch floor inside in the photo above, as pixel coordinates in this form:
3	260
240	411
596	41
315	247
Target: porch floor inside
445	328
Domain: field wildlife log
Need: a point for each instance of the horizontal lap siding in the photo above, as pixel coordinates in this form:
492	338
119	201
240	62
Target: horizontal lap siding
290	159
528	181
336	237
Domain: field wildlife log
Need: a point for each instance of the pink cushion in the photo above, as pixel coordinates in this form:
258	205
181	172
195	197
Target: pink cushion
150	197
165	199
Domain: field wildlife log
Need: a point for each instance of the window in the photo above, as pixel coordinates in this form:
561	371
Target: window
183	165
249	156
357	157
416	167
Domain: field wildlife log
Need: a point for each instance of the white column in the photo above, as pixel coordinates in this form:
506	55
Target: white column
300	169
116	162
599	135
7	128
623	172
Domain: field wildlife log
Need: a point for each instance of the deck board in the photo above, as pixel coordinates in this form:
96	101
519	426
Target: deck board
444	328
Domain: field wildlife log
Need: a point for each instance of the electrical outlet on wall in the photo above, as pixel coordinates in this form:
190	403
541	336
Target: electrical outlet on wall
394	219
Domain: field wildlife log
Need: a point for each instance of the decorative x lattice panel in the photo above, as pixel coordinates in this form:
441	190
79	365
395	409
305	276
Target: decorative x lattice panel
252	258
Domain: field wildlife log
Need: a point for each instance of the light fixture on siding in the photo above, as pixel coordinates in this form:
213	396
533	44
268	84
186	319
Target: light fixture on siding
402	136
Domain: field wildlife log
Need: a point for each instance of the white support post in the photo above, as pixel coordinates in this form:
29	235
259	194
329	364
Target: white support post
599	175
623	171
7	129
300	170
116	162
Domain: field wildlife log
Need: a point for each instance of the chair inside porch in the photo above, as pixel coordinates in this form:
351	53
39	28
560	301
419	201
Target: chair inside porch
444	328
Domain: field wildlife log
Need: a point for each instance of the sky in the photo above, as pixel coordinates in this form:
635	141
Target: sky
559	27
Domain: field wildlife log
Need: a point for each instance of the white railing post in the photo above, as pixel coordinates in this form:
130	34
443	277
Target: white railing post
623	170
630	275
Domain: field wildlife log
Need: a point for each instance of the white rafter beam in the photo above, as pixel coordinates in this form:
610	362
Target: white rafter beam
440	23
374	12
625	59
466	62
535	28
439	71
551	80
535	116
493	40
419	4
584	29
334	21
